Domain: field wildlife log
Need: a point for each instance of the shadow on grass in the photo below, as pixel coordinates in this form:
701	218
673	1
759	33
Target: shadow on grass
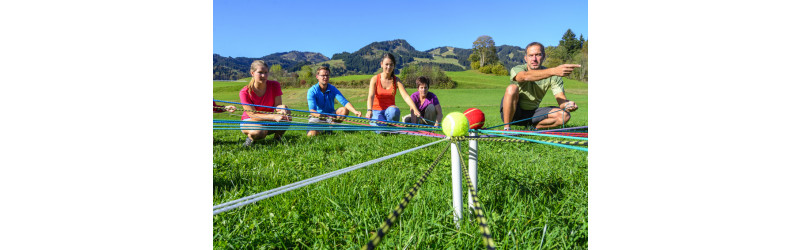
226	180
548	188
267	141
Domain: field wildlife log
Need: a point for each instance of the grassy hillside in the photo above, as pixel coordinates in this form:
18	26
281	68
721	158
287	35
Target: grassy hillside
439	59
333	63
350	78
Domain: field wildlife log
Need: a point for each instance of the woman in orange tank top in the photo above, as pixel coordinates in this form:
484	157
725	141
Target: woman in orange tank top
381	96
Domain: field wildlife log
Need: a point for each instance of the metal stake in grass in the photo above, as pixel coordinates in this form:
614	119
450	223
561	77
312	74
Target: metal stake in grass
472	159
456	180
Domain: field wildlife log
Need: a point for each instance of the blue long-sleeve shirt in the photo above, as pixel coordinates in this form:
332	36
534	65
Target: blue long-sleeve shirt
324	101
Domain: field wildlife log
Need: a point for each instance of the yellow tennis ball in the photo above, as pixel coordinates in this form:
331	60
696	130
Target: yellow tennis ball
455	124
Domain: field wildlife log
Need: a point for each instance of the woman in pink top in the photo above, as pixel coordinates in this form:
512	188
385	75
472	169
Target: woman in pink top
381	96
261	91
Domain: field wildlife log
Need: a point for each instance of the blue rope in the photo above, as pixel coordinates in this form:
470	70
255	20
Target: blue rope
285	123
427	120
322	125
304	111
528	118
274	125
548	143
535	134
309	128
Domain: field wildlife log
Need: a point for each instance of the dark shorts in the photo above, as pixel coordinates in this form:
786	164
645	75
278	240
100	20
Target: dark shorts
520	114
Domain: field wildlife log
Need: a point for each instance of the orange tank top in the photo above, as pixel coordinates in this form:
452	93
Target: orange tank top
384	97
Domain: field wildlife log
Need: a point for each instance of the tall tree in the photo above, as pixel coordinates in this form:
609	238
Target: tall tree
484	51
276	71
555	56
570	43
582	73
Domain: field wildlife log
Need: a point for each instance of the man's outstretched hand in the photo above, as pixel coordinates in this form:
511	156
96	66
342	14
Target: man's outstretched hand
565	69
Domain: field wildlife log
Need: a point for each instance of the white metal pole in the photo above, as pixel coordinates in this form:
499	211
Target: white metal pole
456	179
472	162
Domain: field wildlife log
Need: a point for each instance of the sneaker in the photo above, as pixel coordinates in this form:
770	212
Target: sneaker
247	143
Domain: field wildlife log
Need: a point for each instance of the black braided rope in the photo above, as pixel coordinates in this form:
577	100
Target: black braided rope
341	119
486	236
466	138
390	220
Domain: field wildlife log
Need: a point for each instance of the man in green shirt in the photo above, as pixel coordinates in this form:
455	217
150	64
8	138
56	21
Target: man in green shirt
529	82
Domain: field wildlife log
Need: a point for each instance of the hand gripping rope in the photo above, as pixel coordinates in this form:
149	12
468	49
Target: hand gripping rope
384	228
557	110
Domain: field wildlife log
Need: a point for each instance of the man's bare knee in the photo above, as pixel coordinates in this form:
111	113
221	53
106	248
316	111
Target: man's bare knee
257	134
342	111
512	91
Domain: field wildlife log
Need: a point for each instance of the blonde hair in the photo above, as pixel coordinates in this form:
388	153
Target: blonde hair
253	67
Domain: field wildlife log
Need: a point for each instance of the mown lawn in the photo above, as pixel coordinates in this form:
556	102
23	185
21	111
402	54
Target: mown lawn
532	194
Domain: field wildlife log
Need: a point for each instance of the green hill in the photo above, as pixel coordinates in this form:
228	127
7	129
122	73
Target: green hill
365	60
232	68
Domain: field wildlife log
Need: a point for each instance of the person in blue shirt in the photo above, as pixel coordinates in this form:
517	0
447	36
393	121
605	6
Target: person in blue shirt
321	99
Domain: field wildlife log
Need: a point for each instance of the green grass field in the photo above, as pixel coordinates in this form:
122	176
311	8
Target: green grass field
438	59
532	194
350	78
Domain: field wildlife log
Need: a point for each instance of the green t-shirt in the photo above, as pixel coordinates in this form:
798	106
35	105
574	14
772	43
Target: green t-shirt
531	93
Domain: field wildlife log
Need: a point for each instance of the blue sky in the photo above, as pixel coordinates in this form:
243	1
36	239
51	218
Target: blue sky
259	28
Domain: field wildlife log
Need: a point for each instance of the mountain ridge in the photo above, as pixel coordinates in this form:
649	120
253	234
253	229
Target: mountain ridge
364	60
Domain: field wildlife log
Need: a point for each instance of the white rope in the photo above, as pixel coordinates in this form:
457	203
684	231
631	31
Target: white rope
286	188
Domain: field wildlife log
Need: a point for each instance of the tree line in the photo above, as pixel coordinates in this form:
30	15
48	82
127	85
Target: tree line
570	50
484	57
488	59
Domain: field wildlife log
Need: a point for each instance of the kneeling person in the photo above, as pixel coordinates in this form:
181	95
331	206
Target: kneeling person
321	99
258	93
427	103
529	82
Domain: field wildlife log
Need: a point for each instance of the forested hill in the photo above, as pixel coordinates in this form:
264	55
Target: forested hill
232	68
365	60
461	55
510	56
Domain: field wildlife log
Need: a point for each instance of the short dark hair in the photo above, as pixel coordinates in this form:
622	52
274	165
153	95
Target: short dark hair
323	68
542	48
422	80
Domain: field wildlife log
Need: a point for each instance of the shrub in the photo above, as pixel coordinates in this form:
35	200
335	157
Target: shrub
438	78
495	69
487	69
499	69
